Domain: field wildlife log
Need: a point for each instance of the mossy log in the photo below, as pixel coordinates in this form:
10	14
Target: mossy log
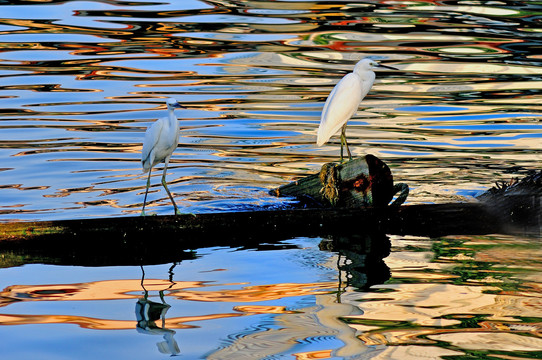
364	181
130	240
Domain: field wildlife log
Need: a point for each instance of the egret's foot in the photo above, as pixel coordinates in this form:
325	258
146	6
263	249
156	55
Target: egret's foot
143	213
344	160
178	212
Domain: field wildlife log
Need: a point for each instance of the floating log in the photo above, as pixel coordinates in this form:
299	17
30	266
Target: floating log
228	227
168	238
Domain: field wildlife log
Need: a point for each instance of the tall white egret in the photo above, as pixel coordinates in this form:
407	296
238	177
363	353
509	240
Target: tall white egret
343	101
161	139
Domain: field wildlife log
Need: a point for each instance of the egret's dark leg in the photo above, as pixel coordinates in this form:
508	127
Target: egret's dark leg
342	144
343	140
146	192
167	190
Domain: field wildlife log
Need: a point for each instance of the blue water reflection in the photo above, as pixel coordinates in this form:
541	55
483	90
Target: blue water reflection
485	117
230	291
300	297
80	81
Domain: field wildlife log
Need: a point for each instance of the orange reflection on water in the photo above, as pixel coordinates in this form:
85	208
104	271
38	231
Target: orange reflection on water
131	289
258	292
82	321
312	355
105	324
96	290
261	309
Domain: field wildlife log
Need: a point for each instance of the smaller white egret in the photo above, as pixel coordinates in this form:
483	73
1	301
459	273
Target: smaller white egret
161	139
343	101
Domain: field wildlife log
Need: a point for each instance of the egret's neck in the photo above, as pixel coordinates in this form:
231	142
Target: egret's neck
171	115
366	75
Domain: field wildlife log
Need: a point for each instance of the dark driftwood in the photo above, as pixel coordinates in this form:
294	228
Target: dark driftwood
224	227
167	238
161	239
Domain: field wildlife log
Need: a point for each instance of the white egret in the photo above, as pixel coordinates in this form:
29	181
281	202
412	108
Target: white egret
343	101
161	139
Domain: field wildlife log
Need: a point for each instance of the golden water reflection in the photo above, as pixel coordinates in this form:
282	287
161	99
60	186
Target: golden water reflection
78	92
447	296
80	82
130	289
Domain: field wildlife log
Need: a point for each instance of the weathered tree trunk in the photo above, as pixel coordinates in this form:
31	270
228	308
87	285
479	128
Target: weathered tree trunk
361	182
130	240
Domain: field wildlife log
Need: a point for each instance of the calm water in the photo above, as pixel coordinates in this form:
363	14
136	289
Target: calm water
80	81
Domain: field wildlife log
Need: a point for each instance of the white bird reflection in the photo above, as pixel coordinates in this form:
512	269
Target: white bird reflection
149	312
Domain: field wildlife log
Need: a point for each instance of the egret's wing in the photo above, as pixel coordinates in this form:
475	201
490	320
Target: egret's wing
341	104
151	139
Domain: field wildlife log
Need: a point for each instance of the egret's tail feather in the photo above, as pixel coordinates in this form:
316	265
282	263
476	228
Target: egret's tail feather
146	164
320	142
322	138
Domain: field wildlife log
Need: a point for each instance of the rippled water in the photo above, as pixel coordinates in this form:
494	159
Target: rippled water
80	81
446	298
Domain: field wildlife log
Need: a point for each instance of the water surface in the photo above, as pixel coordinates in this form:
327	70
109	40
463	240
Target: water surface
80	81
358	298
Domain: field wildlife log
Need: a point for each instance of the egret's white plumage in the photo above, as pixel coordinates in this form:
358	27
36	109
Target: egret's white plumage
340	105
343	101
161	139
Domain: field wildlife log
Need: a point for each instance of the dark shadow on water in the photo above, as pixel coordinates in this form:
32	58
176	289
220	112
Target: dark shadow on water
361	258
360	255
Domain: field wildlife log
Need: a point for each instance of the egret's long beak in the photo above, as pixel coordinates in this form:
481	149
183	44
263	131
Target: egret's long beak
387	67
178	106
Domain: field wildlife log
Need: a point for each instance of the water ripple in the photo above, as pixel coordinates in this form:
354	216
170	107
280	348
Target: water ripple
80	82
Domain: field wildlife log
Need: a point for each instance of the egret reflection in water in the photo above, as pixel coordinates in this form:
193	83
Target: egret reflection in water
148	312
